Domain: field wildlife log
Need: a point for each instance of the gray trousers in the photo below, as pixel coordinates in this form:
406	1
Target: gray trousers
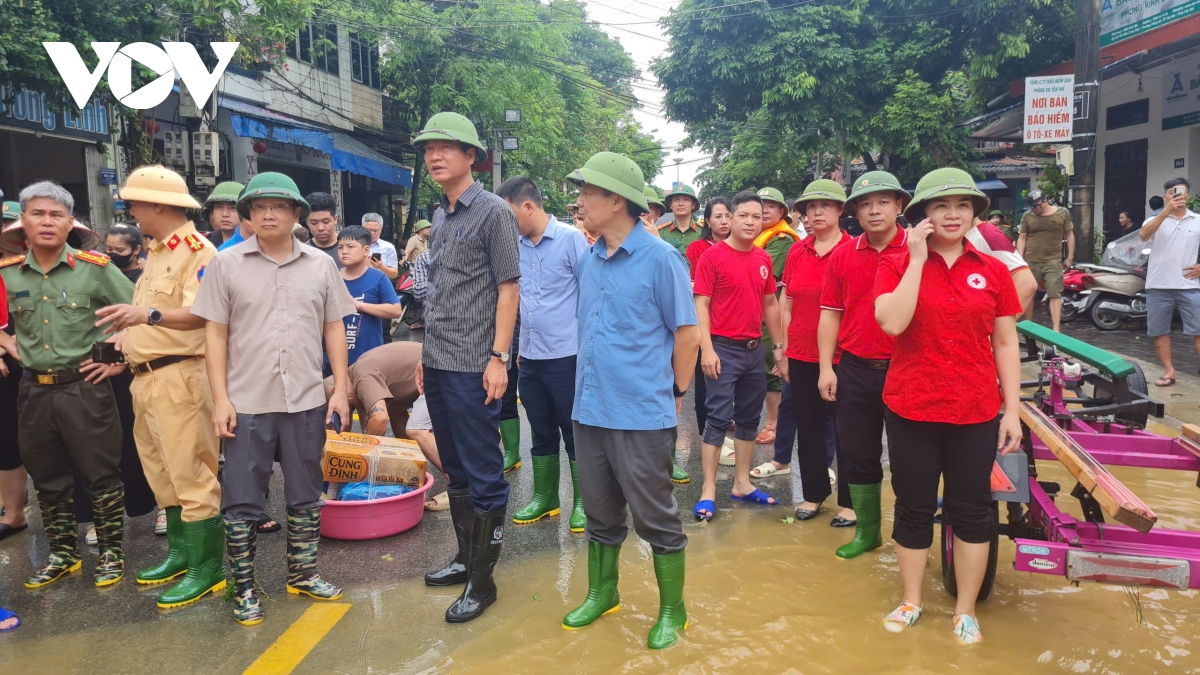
66	427
249	456
628	467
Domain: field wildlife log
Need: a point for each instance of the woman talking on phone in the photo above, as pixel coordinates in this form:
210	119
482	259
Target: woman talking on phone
952	310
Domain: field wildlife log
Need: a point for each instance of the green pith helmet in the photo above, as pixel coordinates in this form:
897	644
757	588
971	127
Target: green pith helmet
652	198
997	213
422	225
271	184
450	126
771	194
12	210
822	188
875	181
944	183
229	191
617	174
684	190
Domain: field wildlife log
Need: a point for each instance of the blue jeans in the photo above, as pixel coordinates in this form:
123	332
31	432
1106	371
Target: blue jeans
468	435
548	392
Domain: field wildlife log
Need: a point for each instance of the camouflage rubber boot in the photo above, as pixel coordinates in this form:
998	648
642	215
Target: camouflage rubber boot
109	511
241	538
59	520
303	534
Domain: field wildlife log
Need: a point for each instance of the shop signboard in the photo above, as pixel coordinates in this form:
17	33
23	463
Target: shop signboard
1181	93
1049	102
30	109
1124	19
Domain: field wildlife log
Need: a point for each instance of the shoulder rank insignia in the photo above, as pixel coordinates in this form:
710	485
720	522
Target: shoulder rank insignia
173	242
194	242
93	257
12	261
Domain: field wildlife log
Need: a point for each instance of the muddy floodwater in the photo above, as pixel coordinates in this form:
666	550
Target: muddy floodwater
764	596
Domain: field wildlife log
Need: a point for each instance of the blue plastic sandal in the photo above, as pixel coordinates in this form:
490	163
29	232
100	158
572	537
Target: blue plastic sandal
758	497
5	615
705	505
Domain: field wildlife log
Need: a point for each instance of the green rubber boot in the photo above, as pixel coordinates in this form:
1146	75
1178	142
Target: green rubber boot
867	537
241	540
678	475
205	541
545	491
510	435
108	509
672	615
177	560
602	596
59	520
578	520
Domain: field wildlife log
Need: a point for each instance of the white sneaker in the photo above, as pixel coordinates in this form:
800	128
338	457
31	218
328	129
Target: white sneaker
160	525
90	537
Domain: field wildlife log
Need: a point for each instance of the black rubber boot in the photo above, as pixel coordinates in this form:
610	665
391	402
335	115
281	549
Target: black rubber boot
487	534
455	571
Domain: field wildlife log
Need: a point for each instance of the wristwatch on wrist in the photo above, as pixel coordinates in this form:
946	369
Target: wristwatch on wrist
777	345
678	393
155	317
503	356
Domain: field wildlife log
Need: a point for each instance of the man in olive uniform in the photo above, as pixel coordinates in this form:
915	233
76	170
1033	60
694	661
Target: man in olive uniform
164	347
776	239
67	411
220	209
682	231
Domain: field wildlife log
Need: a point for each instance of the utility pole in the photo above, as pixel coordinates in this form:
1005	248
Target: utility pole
497	161
1083	139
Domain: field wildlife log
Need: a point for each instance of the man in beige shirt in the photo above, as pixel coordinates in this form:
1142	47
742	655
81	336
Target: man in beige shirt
270	302
164	346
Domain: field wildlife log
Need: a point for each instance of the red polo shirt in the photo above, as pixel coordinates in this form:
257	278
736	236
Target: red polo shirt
804	280
694	251
943	369
736	281
850	289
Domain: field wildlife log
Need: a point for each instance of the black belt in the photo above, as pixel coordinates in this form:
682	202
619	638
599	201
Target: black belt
744	344
56	377
873	364
144	368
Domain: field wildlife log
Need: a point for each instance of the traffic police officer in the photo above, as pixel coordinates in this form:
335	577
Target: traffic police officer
68	414
164	347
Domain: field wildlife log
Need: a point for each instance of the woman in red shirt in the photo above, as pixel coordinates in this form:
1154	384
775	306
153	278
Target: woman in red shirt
953	312
804	278
718	218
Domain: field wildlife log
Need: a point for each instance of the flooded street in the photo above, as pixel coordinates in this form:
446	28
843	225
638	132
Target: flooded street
762	595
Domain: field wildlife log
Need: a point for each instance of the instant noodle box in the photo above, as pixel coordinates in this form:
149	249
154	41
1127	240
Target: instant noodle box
350	458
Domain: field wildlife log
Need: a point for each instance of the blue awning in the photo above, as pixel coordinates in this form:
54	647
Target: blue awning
990	184
345	153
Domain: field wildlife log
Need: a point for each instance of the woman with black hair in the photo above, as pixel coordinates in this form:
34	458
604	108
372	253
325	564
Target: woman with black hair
124	245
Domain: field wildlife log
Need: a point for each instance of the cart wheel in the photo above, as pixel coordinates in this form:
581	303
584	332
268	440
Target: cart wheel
989	577
1137	382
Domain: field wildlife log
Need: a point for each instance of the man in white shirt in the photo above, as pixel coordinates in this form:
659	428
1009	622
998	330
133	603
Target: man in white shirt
388	261
1172	274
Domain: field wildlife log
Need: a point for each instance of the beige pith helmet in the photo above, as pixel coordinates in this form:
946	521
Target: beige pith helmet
13	242
156	184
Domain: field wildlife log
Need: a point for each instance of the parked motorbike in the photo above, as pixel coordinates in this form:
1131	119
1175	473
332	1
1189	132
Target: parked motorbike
1113	296
1074	284
412	310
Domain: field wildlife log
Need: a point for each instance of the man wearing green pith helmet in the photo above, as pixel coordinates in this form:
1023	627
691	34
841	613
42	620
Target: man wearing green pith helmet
776	239
637	347
682	231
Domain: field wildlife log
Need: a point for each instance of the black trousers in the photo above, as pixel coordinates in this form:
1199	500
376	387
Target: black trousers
961	457
811	412
859	419
508	404
700	394
548	390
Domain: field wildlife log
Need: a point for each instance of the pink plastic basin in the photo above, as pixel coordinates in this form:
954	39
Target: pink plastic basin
374	518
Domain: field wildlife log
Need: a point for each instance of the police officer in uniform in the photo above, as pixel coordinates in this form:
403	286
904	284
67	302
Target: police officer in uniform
68	417
164	347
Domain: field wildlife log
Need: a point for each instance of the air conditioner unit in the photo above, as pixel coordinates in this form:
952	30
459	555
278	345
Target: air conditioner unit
1065	159
206	157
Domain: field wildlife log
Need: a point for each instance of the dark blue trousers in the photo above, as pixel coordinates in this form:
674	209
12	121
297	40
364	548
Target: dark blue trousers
468	435
548	392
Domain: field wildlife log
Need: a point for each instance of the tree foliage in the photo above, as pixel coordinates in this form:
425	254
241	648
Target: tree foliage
883	79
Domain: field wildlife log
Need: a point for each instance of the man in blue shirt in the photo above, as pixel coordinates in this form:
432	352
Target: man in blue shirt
638	341
550	254
373	294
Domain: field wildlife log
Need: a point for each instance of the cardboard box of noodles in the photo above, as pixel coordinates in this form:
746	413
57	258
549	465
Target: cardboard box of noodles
350	458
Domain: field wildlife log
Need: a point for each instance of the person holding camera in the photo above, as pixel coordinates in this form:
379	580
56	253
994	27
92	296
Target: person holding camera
1172	273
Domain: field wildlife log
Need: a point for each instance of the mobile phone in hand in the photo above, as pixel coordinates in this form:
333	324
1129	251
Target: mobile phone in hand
106	352
1178	191
376	257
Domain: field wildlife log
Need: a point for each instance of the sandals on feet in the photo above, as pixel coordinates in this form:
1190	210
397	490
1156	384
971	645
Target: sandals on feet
767	435
767	469
902	617
727	454
1164	381
267	525
707	507
439	502
966	629
757	497
5	615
